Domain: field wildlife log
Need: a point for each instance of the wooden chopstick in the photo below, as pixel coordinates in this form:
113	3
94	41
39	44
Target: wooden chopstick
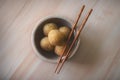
76	37
69	37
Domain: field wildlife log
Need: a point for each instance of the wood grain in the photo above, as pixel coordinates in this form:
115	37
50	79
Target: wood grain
96	59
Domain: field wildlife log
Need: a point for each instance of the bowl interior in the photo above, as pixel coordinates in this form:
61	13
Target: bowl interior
38	35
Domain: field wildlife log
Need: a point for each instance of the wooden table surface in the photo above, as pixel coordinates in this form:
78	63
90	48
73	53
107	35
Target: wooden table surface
98	57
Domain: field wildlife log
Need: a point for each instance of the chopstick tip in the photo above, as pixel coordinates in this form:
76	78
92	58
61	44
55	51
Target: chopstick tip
91	9
83	5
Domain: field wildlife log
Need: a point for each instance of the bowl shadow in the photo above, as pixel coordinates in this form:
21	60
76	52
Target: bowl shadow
88	51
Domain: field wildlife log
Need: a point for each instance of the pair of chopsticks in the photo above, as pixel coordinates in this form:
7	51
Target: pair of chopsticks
66	54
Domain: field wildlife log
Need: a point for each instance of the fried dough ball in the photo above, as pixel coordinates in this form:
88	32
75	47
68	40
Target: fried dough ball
45	44
59	50
65	30
48	27
56	37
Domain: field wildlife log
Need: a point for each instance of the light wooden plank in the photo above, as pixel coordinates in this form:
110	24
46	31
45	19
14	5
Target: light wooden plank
98	54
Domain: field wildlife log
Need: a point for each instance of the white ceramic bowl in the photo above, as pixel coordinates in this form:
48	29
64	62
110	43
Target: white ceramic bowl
37	34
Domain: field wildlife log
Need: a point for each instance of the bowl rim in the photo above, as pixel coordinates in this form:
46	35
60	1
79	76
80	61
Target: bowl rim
33	43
